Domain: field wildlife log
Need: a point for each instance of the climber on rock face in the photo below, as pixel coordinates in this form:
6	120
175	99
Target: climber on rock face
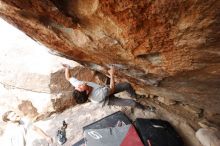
100	94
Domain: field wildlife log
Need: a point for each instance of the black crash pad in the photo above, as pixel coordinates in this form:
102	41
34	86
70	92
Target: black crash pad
108	121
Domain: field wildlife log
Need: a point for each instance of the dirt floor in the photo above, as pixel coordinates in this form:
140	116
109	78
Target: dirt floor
82	115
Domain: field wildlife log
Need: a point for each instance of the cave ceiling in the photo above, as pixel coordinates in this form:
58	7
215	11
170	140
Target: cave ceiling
163	47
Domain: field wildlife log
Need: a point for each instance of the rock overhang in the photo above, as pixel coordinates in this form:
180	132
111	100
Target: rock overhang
169	49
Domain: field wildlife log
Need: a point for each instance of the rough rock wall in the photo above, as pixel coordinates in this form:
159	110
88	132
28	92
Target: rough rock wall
26	83
164	47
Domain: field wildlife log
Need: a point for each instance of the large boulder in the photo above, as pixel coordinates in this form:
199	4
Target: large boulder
32	80
166	48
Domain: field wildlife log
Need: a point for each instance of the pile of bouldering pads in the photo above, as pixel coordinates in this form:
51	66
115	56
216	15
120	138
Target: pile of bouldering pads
117	130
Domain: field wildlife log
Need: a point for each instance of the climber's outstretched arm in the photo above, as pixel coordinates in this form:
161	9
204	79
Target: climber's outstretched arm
67	72
112	80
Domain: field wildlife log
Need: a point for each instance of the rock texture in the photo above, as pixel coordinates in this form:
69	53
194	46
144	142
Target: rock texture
25	80
166	48
31	79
